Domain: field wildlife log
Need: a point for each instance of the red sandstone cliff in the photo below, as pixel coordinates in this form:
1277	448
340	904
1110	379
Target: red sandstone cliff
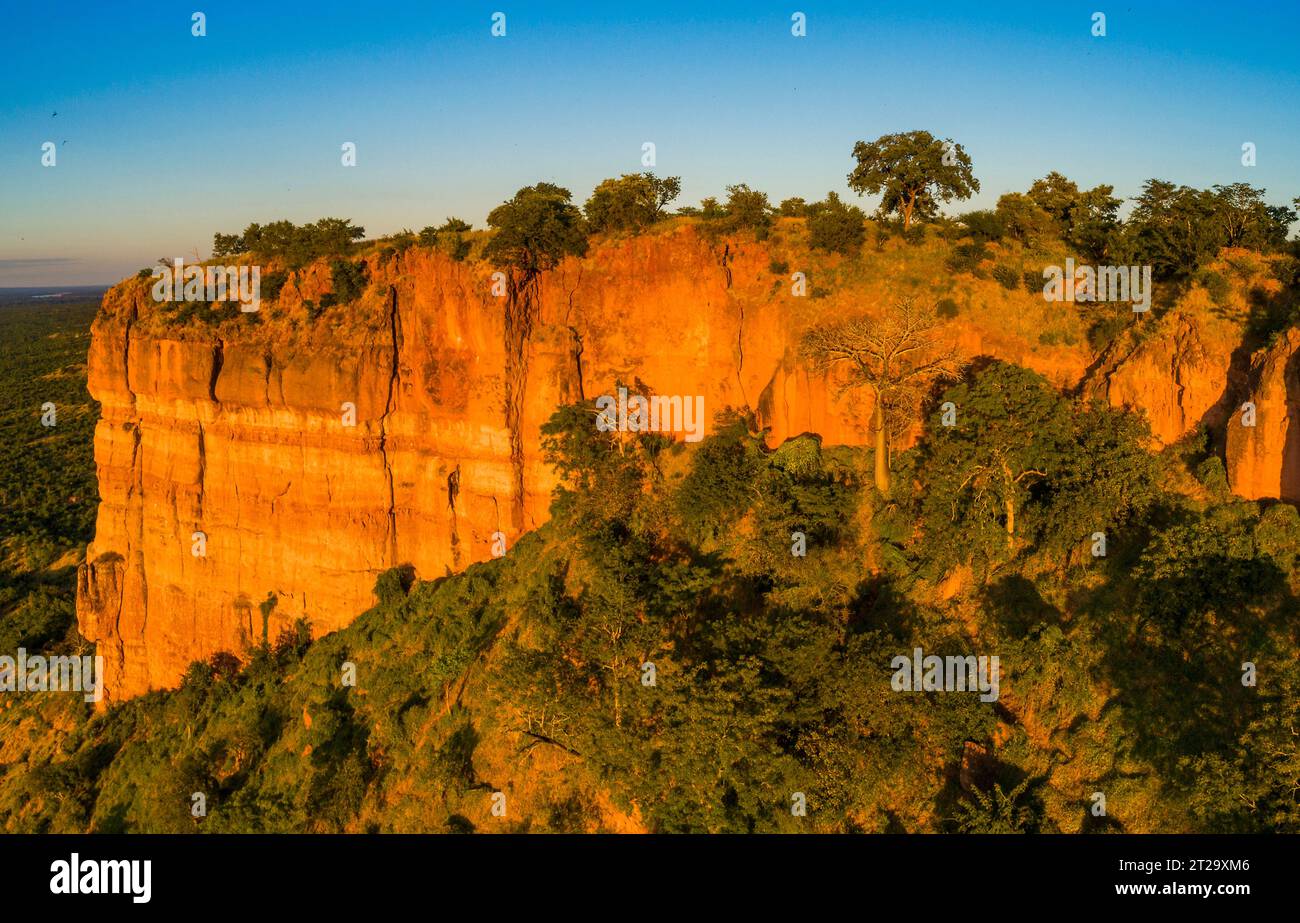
237	430
1264	453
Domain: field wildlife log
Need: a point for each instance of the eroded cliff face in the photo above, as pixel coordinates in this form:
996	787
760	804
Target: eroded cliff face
1177	369
239	431
1263	434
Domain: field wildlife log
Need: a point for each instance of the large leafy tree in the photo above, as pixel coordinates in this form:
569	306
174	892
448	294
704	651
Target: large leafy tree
1172	228
1246	220
536	229
1022	218
913	171
1011	425
1178	228
631	202
1105	478
1025	465
1086	219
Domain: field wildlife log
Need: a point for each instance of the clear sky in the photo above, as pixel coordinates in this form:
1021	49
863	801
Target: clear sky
163	138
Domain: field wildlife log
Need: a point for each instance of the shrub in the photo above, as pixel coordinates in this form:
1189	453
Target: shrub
456	246
228	245
402	240
793	208
455	226
272	284
1106	329
748	210
966	258
711	209
836	226
1217	286
349	280
450	238
946	308
296	245
983	226
1007	277
1213	476
631	202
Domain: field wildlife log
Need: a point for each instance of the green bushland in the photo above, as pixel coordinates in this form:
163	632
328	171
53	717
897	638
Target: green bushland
48	499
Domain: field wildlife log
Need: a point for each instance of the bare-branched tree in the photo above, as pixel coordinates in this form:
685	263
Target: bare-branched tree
897	355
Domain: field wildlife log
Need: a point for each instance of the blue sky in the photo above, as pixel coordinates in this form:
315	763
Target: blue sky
171	137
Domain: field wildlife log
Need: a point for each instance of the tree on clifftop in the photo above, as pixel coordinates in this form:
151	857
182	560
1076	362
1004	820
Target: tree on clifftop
914	171
536	229
895	356
631	202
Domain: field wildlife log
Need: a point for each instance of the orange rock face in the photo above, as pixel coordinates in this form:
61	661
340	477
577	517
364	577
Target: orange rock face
1179	376
1263	435
240	432
303	455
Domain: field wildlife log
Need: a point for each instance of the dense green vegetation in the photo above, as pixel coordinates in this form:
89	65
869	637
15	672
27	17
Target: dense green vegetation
296	245
48	499
48	494
1175	229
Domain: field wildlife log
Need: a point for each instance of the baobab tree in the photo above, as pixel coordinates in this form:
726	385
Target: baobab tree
896	356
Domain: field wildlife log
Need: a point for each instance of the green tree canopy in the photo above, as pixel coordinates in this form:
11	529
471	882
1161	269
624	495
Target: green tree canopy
631	202
1024	465
536	229
913	171
748	209
1084	219
296	245
1178	228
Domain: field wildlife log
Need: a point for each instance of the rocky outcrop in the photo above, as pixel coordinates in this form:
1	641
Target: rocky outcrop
268	467
1170	369
238	496
1263	434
